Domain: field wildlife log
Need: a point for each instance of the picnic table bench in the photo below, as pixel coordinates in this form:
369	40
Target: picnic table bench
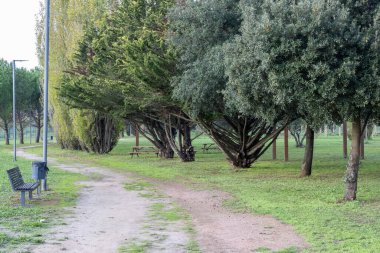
136	150
18	184
208	146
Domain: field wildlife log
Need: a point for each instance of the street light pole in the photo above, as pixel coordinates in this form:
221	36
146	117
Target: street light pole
46	81
14	107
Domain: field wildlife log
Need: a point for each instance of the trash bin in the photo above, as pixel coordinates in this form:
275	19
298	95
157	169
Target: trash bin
39	170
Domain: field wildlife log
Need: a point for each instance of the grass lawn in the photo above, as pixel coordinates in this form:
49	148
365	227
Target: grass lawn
20	226
312	205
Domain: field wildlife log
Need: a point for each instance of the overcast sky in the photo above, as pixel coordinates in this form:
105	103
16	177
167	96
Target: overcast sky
17	31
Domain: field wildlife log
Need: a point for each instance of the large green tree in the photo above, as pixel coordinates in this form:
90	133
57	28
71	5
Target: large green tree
319	57
127	57
69	19
5	97
276	50
200	31
357	97
27	96
36	103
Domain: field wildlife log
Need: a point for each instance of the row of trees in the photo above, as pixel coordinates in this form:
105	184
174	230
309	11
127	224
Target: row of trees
28	103
242	70
84	129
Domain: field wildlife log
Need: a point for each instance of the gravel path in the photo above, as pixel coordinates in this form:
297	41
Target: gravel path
107	216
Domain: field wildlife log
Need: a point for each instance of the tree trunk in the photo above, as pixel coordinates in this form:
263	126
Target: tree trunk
180	147
21	133
183	147
6	132
166	152
38	134
154	131
345	139
137	135
104	134
351	178
362	147
128	127
37	118
286	144
188	147
243	140
309	151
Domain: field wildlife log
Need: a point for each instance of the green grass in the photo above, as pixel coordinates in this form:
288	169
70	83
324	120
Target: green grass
161	215
137	186
312	205
21	226
160	211
139	247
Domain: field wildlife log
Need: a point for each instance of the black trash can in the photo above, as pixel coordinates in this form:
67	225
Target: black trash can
39	170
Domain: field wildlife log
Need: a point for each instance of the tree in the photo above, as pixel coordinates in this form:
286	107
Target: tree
275	51
26	82
127	58
36	103
5	97
200	30
358	100
322	57
295	129
68	21
27	96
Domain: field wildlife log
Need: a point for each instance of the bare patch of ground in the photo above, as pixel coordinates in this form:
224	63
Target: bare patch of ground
222	230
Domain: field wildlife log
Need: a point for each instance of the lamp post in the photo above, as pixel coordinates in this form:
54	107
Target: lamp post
14	106
46	81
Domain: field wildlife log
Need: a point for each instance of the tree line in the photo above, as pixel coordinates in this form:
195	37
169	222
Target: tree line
29	109
241	70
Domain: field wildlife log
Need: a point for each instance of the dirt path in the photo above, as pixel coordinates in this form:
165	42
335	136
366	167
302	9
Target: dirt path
221	230
107	216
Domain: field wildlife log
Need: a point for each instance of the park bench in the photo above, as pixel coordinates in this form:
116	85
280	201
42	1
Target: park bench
208	146
18	184
137	150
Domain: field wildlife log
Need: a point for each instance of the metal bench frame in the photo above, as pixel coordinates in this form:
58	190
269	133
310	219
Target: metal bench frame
18	184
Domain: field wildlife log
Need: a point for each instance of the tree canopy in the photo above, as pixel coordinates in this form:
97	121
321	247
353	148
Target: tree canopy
69	20
243	70
127	58
201	31
27	98
318	59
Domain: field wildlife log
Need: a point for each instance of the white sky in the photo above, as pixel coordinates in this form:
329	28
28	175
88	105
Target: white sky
17	31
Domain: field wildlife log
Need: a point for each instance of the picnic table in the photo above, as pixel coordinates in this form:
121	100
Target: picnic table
207	146
136	150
